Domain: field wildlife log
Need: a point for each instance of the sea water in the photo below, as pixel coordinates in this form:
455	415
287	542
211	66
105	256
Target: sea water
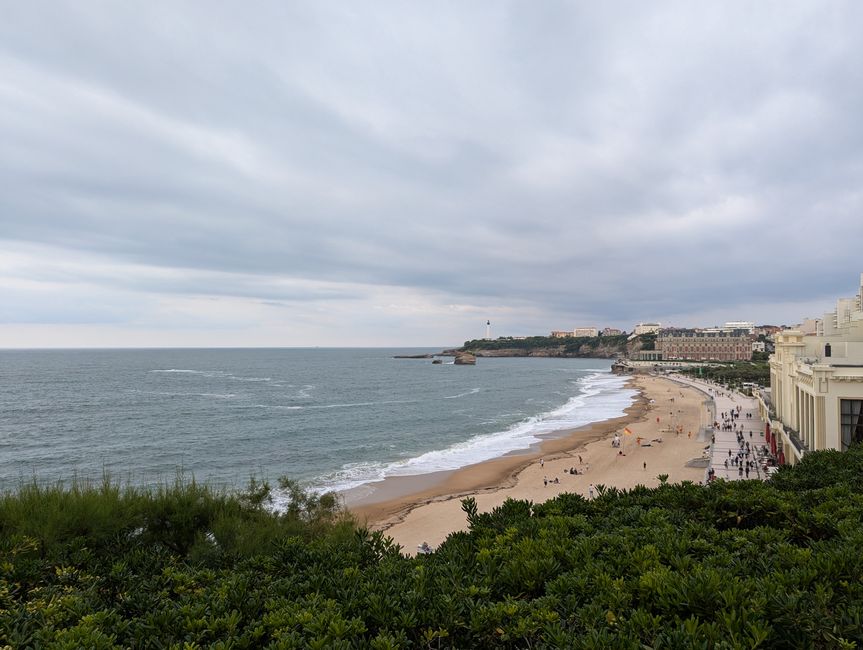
332	418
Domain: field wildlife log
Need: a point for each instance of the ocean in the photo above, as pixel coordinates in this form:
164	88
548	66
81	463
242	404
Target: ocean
331	418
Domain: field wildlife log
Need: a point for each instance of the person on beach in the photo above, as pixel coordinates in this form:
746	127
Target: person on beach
545	481
542	462
590	490
645	466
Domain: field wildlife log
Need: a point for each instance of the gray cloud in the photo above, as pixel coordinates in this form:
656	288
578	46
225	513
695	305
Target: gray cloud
550	163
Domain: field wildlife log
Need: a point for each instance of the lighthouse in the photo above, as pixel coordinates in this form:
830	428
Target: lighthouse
488	330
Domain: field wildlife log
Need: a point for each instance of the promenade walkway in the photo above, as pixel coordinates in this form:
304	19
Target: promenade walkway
725	445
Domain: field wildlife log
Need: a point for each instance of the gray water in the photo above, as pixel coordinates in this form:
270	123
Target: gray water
332	418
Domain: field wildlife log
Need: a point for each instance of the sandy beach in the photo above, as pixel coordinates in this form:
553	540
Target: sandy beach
428	508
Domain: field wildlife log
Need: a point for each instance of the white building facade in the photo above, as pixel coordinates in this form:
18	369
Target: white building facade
646	328
816	385
740	325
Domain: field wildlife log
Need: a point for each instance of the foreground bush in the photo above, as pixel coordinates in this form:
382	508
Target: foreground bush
732	565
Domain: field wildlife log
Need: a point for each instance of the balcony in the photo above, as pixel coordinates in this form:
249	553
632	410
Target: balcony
764	396
794	437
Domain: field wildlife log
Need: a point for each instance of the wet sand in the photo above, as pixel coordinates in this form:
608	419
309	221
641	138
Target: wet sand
413	509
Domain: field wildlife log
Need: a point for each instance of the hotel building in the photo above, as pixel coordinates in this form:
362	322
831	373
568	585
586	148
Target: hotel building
816	385
712	344
646	328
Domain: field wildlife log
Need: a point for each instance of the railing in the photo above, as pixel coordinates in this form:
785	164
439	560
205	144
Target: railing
794	437
764	396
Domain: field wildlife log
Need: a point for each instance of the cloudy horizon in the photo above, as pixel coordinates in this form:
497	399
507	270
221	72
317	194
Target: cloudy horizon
391	174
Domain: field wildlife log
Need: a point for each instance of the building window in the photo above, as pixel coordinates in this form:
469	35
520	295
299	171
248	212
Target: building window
851	412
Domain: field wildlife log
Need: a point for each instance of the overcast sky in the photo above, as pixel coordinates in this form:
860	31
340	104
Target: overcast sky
396	173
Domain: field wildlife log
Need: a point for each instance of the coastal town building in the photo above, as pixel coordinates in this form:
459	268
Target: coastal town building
816	384
739	325
578	331
646	328
612	331
713	344
767	330
809	326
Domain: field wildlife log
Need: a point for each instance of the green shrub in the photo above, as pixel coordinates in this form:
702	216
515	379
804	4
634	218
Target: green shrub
729	565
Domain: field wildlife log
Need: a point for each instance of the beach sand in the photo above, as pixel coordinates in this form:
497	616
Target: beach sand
427	508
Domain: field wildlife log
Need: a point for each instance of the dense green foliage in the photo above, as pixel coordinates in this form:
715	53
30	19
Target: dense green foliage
733	373
648	341
568	345
732	565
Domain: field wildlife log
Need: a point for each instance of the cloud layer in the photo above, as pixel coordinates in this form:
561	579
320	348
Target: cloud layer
318	174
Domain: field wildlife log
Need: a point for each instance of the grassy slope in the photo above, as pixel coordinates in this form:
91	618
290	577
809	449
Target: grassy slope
731	565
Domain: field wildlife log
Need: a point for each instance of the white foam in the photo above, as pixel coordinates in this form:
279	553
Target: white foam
175	394
311	407
602	396
353	404
472	391
305	392
221	374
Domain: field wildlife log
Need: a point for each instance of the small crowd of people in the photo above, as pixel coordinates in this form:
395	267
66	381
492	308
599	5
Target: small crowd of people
729	419
556	481
744	460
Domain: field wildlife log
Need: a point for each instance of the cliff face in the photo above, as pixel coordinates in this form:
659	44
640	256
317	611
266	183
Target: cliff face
597	352
612	349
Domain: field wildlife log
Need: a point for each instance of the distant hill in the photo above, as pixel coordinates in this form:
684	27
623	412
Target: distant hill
596	347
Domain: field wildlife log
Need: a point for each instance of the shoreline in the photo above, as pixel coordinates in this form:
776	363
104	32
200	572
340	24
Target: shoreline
433	510
396	497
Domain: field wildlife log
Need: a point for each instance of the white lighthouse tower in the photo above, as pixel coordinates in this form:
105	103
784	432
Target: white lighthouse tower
488	330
